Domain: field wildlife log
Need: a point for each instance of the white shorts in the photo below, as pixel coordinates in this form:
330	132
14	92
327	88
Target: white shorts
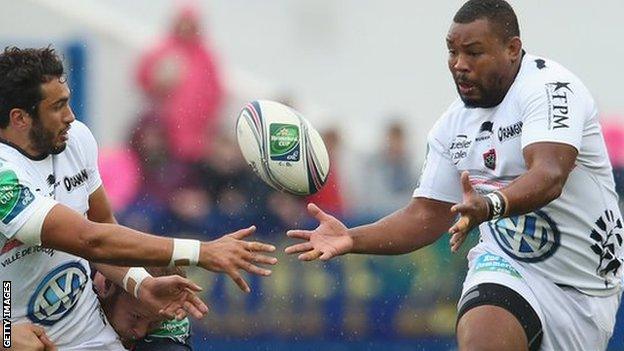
570	319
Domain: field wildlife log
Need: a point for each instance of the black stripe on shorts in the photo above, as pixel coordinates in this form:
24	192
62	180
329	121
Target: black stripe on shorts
501	296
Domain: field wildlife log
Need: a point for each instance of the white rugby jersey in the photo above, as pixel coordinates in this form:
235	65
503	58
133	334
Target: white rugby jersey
49	287
576	239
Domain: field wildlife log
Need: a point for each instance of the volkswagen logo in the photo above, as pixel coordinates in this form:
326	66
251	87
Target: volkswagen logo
529	238
57	294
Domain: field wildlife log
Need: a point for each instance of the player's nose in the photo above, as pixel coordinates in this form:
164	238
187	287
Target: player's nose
69	117
460	64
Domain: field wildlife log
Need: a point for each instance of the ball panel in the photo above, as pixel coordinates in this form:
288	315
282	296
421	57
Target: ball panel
318	155
250	143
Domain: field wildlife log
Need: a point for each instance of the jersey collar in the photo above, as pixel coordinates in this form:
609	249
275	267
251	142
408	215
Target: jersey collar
23	152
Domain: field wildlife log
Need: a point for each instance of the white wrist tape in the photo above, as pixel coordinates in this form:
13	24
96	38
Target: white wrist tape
185	252
137	274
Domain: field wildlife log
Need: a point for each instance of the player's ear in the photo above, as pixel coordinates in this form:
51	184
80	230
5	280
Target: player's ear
104	287
19	118
514	49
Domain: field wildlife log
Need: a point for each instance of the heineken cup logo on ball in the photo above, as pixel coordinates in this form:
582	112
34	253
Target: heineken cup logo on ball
284	142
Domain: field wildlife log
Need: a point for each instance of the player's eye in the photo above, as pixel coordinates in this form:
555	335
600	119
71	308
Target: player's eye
61	105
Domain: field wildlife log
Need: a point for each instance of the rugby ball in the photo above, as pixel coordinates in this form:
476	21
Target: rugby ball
282	147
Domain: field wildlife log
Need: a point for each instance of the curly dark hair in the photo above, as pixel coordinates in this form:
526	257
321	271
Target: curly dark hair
22	71
497	12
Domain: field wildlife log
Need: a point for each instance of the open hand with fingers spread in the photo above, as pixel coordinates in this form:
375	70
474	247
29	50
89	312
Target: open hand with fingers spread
172	296
473	211
328	240
230	254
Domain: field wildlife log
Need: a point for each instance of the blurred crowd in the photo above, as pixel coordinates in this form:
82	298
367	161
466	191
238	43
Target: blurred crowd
182	174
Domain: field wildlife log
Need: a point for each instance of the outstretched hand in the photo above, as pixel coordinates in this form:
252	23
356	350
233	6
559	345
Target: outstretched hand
473	211
172	296
230	254
329	239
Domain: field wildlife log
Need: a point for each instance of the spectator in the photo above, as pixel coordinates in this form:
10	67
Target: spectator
223	168
239	195
159	177
160	173
390	174
284	212
119	169
182	80
190	212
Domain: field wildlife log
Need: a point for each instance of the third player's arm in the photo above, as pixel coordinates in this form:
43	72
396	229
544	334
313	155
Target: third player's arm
418	224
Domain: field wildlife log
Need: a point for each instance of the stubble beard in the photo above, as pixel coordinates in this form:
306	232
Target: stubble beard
43	140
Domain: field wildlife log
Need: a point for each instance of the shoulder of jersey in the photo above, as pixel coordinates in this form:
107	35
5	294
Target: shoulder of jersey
10	158
12	166
455	106
449	116
542	70
6	164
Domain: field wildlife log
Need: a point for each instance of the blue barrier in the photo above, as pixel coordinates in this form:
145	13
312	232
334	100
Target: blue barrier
76	68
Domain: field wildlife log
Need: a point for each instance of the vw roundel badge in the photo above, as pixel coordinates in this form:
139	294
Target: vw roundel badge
57	293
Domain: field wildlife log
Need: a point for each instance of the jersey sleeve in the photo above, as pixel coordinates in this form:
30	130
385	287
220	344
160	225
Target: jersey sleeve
90	149
439	179
18	203
554	112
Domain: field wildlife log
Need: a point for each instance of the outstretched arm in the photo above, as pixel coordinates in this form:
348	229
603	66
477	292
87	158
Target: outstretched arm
66	230
171	296
418	224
